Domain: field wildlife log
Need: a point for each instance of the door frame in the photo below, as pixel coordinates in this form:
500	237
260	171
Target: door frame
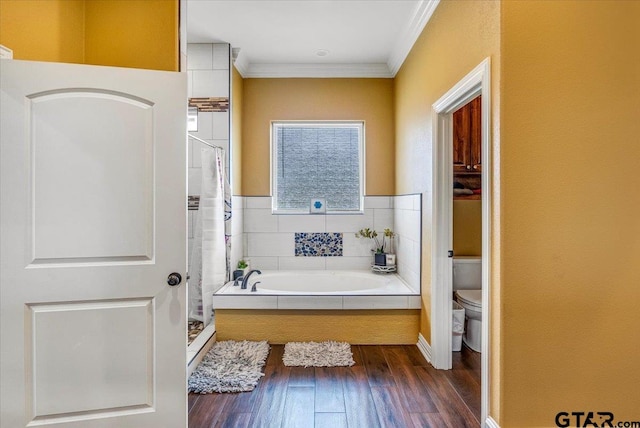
477	82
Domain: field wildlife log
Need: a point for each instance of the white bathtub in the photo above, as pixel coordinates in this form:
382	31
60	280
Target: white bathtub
319	289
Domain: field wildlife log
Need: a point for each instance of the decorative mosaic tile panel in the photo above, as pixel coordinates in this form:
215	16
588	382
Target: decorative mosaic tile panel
318	244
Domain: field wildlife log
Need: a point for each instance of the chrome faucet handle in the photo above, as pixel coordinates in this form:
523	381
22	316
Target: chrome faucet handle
236	281
253	288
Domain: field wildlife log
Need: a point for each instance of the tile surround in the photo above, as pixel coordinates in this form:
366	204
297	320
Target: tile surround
318	244
269	244
270	238
407	225
210	83
297	223
350	223
222	301
303	263
199	56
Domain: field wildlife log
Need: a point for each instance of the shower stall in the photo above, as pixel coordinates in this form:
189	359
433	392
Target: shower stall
208	67
209	243
210	246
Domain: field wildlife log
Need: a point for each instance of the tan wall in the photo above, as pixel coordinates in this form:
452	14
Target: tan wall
43	30
237	102
370	100
571	229
133	33
467	228
459	36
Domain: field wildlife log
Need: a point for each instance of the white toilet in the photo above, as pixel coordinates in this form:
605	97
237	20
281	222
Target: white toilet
467	288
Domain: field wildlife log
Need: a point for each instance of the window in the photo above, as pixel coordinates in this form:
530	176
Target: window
317	160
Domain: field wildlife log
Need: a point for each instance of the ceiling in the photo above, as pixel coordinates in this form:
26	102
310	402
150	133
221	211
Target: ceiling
312	38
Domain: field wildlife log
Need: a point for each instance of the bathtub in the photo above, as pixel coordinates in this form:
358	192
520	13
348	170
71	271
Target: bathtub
319	289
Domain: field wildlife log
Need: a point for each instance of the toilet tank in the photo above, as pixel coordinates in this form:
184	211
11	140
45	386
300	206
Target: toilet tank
467	273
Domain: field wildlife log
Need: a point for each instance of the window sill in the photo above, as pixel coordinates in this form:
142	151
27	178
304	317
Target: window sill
285	212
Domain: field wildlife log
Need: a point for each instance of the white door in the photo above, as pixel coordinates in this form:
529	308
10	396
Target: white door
93	220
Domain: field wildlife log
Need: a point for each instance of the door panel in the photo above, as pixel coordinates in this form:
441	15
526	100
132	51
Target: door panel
64	146
93	220
65	382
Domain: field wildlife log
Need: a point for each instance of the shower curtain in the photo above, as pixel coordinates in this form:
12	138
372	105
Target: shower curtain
209	267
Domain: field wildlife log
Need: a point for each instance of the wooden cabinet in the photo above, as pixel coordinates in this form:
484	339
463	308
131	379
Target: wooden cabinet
467	138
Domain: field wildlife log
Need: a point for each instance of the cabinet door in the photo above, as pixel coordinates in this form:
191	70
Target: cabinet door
461	140
475	145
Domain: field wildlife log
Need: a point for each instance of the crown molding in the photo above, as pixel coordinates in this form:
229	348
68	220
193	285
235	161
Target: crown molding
241	63
403	46
316	70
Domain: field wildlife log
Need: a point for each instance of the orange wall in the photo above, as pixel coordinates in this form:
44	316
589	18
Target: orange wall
459	36
442	55
237	102
132	33
571	229
43	30
370	100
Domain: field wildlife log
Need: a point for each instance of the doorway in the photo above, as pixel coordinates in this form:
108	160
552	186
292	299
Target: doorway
474	84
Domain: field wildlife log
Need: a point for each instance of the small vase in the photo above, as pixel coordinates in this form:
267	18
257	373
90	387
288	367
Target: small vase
380	259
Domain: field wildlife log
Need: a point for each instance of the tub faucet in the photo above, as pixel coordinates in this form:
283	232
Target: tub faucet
245	280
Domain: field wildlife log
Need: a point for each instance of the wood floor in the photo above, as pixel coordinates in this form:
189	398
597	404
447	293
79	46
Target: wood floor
389	386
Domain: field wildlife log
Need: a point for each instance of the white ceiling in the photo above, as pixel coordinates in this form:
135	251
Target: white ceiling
276	38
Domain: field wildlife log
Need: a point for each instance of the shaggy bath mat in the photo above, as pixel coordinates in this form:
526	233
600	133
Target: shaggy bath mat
318	354
230	366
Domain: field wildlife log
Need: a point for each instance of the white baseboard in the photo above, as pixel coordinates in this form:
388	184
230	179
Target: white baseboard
490	423
5	52
424	347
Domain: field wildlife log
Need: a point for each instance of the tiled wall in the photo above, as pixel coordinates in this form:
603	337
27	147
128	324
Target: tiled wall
407	225
237	230
208	76
269	240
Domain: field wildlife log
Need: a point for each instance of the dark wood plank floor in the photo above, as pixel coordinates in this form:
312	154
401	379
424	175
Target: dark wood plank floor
389	386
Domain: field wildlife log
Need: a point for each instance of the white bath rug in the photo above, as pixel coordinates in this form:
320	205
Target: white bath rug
230	366
318	354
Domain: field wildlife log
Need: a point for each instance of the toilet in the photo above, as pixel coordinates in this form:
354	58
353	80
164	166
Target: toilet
467	288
